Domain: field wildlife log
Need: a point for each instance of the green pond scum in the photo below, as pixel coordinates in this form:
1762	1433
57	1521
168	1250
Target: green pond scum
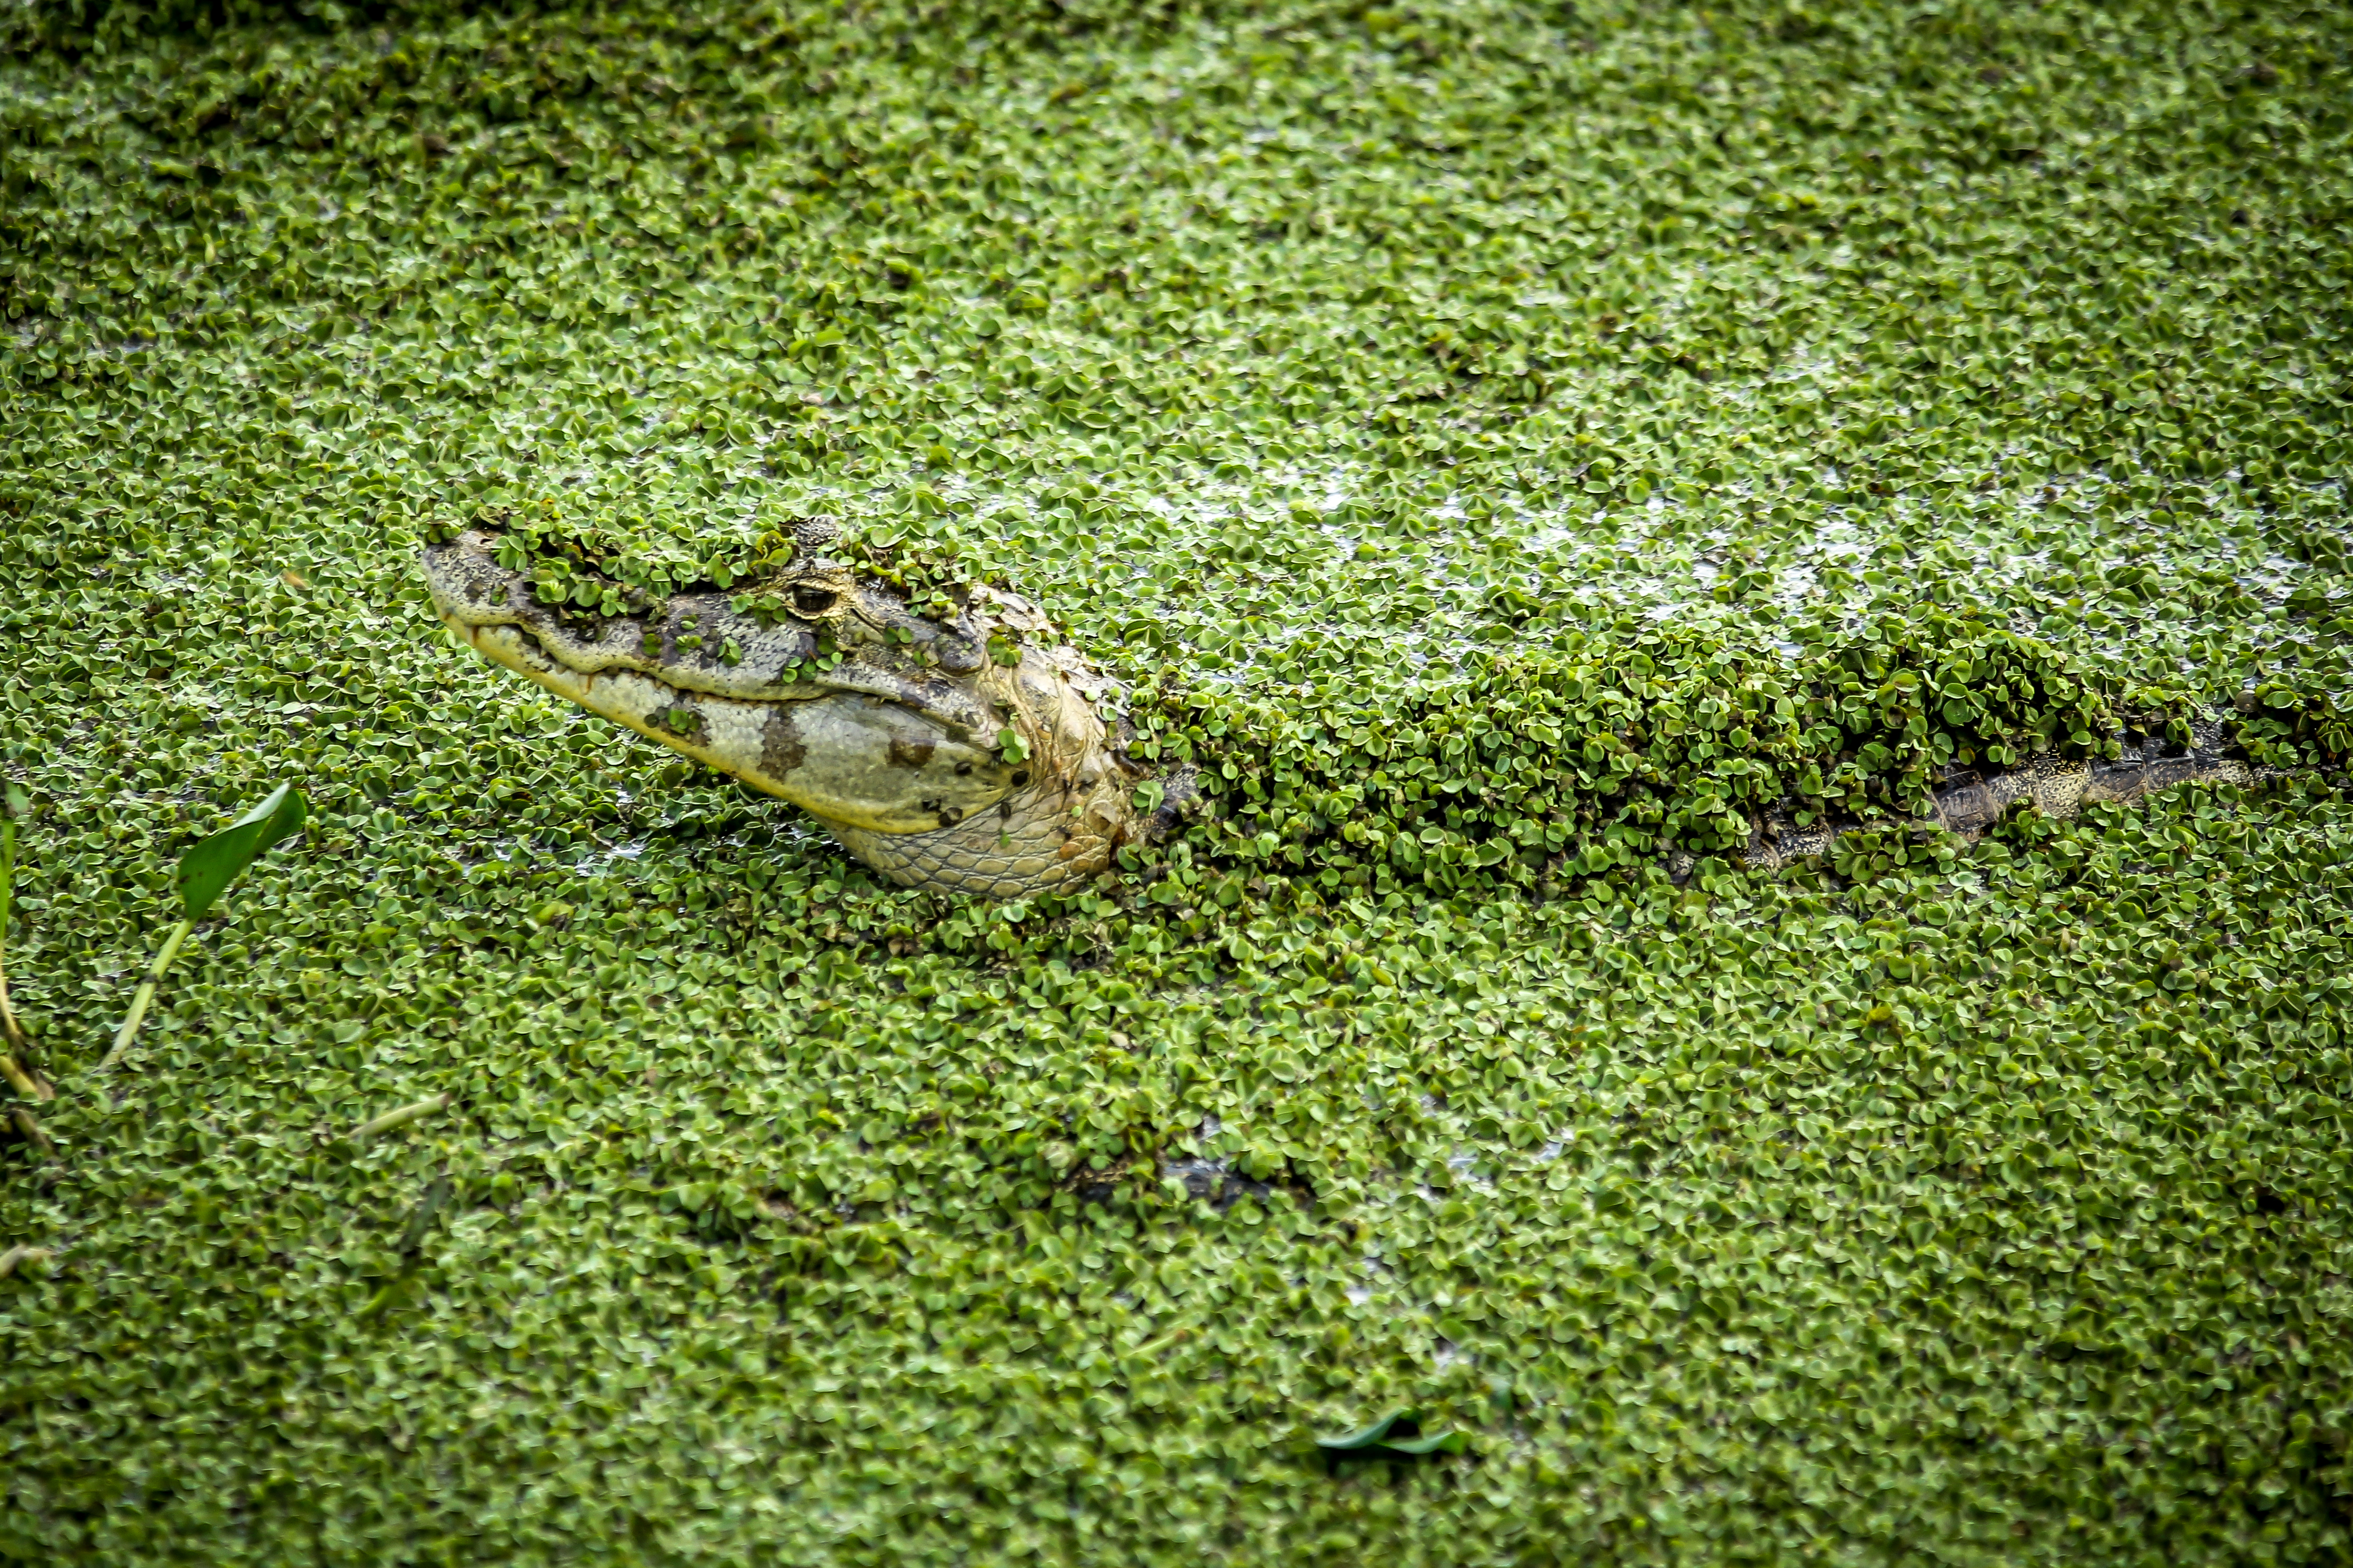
1506	449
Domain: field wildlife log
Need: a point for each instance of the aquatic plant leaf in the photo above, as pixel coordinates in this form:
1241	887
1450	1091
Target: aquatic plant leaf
213	862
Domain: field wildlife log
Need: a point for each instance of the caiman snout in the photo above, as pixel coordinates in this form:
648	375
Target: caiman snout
929	754
848	739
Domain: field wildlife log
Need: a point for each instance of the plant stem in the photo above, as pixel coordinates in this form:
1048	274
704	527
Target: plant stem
15	1255
31	1129
122	1036
23	1081
12	1033
400	1118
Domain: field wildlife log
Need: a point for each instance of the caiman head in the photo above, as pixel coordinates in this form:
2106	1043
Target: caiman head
965	751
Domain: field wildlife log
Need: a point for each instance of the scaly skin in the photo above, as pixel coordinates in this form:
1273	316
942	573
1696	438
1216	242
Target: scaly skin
1969	803
897	746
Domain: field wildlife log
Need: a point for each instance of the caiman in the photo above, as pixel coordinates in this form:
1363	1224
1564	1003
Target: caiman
964	754
972	752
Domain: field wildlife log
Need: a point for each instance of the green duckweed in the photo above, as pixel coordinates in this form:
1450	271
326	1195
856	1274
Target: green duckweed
1500	445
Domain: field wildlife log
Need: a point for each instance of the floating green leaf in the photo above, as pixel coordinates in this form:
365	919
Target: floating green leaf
214	862
1396	1435
204	873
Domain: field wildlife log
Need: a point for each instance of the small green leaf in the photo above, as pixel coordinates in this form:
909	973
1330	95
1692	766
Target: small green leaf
1365	1436
212	863
1396	1435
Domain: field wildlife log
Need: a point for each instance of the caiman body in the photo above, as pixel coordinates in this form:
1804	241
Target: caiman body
973	752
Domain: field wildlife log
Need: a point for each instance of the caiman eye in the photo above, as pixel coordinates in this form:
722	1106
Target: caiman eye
814	602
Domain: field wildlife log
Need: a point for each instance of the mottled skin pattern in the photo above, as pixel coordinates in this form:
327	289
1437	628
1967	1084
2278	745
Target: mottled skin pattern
1969	803
895	739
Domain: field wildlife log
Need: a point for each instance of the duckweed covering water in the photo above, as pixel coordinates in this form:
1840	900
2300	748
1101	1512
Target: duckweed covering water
1514	442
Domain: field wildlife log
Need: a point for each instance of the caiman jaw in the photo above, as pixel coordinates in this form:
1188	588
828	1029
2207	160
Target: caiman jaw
853	759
